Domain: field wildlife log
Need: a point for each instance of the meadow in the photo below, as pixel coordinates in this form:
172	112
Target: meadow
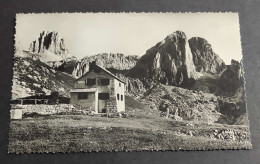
144	129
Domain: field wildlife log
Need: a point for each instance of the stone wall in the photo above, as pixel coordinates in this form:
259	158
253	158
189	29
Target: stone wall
44	109
111	105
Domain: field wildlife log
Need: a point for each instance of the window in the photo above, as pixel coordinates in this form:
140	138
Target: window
117	96
104	82
103	96
119	84
82	95
91	82
122	97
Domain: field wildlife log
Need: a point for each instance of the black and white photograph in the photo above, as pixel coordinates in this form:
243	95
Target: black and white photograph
111	82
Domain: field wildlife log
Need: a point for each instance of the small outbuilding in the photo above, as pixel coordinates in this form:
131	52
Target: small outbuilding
99	91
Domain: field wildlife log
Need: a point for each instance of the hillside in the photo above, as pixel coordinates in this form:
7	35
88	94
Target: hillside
183	104
191	105
35	77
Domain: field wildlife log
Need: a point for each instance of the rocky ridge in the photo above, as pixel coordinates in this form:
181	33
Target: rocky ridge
66	66
106	60
51	47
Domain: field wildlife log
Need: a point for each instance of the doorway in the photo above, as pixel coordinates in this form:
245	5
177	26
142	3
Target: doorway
102	102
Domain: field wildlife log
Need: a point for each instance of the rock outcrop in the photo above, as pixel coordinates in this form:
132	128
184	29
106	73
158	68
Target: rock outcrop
115	61
204	57
231	79
51	47
32	77
66	66
182	104
136	87
233	108
168	62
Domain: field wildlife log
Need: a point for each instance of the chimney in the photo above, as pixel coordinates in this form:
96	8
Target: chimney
92	65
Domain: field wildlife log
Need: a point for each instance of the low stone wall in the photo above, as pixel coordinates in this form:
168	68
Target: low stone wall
44	109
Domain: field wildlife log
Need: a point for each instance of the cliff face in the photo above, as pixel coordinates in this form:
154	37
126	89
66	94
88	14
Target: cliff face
51	46
231	79
168	62
115	61
204	57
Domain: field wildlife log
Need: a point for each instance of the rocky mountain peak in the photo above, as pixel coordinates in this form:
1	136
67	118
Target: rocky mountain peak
204	58
50	43
168	62
175	35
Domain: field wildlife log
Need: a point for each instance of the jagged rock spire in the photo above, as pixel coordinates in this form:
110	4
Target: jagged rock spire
53	42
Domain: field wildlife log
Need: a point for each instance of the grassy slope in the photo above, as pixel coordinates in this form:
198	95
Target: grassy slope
84	133
77	133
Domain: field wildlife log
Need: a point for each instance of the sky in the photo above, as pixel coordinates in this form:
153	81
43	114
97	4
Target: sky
88	34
